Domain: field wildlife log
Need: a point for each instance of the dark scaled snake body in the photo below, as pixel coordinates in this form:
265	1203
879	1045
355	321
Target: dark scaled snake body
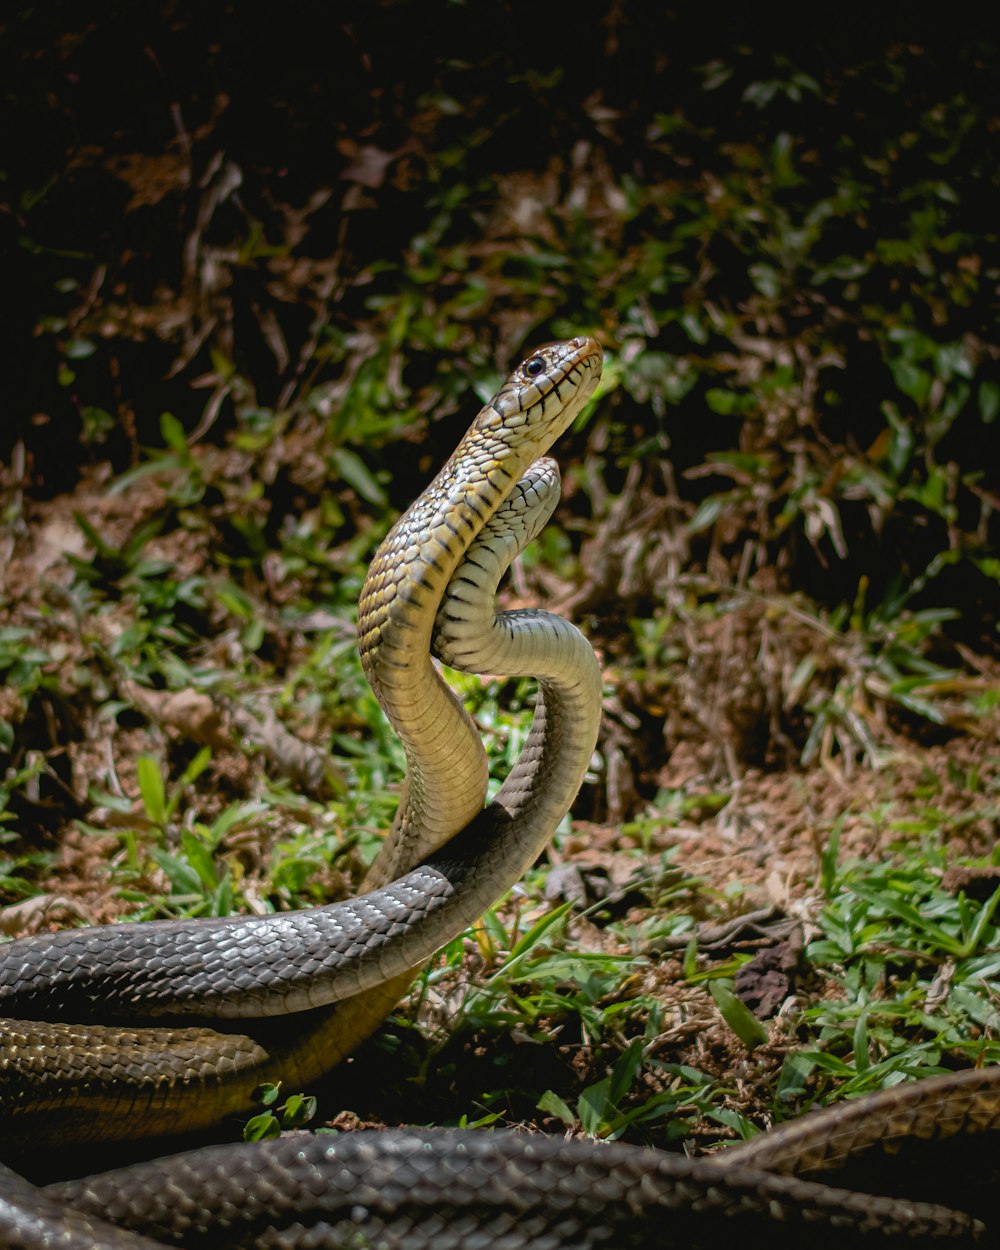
154	1029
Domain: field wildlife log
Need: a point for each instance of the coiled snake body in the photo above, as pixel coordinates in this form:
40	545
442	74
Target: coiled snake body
286	996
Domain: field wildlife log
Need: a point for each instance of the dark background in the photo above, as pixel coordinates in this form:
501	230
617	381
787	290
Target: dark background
784	232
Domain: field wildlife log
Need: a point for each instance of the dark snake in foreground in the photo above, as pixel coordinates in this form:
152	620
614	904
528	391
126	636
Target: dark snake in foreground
155	1029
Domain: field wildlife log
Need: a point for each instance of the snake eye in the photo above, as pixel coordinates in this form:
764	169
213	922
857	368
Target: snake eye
534	366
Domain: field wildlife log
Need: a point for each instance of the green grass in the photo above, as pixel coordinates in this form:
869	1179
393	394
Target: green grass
899	976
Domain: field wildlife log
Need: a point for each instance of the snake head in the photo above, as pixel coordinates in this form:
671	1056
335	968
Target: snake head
544	394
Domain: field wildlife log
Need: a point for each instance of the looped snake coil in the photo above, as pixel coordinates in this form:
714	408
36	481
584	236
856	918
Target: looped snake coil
152	1029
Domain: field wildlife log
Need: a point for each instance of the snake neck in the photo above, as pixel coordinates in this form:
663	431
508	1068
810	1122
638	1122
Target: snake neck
447	771
472	636
493	851
540	788
446	768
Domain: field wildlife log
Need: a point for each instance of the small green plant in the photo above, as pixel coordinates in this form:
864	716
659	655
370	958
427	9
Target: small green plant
178	466
295	1112
737	1015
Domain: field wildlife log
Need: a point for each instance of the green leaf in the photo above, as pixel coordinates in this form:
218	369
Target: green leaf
796	1069
593	1107
197	766
693	326
103	549
738	1016
709	511
298	1110
200	859
724	402
989	402
829	857
691	959
911	380
976	1006
173	434
623	1073
984	919
151	789
182	877
554	1105
79	349
267	1094
862	1060
355	473
766	279
532	938
261	1127
910	915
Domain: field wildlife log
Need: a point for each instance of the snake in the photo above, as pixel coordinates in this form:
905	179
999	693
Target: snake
153	1029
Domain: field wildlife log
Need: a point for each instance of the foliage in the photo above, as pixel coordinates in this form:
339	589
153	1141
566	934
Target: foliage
256	308
294	1113
788	260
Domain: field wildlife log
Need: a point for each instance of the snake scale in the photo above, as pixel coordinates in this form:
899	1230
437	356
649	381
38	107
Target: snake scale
135	1030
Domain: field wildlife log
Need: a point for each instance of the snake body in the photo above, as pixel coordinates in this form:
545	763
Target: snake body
171	1025
87	1077
427	1190
447	1189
